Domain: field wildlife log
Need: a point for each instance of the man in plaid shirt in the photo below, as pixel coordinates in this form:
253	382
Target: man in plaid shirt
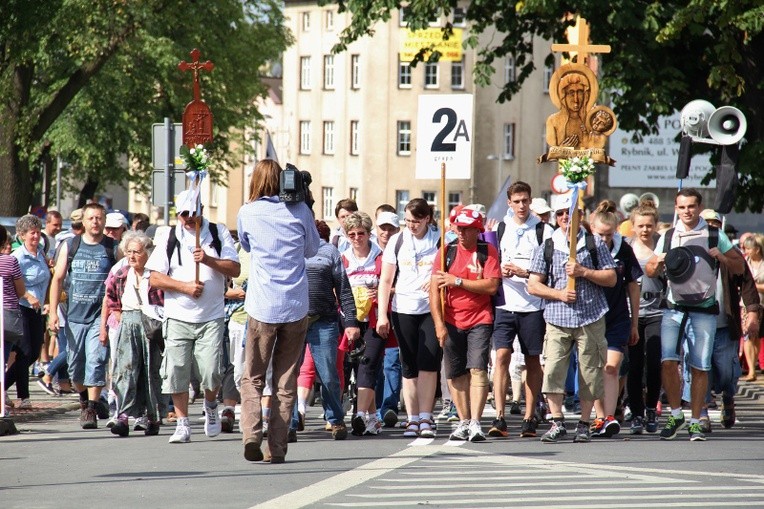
574	318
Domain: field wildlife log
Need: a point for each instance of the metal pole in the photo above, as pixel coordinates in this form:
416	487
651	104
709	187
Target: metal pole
58	183
169	169
2	352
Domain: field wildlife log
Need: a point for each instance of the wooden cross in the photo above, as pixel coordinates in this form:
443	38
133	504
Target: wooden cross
581	48
196	66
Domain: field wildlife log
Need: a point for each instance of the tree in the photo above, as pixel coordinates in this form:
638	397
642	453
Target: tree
664	54
85	80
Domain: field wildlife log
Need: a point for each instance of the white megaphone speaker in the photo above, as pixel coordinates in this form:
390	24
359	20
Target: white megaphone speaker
694	119
652	197
629	202
727	125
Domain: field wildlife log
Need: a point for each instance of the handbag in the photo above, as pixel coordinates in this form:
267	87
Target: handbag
13	325
152	328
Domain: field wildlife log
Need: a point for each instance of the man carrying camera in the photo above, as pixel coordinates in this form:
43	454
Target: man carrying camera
279	235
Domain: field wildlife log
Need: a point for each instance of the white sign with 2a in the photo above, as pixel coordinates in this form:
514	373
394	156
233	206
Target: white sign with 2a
444	135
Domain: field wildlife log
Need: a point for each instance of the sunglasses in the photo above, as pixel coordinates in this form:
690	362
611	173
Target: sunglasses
561	213
353	235
185	214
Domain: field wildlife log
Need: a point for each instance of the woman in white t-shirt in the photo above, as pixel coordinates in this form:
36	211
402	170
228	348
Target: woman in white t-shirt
406	268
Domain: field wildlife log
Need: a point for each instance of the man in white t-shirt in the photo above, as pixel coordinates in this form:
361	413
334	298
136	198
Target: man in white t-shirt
194	309
522	315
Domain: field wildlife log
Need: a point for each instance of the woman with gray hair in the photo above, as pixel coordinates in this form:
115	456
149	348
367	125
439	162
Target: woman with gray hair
136	359
36	274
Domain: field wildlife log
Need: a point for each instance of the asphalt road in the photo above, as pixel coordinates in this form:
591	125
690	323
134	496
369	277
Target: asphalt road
53	463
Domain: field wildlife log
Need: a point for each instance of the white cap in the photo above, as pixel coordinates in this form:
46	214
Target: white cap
388	218
479	207
539	206
115	220
562	201
185	202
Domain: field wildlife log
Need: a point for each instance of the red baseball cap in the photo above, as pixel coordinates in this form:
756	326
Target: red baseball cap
454	212
469	219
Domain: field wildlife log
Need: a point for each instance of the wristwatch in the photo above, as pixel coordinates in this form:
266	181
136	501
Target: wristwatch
458	282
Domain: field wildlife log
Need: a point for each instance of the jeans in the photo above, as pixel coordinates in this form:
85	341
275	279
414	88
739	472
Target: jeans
725	368
322	339
58	365
571	381
700	344
388	391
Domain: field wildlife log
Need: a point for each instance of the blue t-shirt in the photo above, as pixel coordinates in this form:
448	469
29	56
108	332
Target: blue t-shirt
89	269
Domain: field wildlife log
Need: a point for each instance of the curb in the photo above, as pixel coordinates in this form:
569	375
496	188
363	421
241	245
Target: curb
44	413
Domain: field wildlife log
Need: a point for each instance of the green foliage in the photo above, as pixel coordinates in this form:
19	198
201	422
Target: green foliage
87	78
665	53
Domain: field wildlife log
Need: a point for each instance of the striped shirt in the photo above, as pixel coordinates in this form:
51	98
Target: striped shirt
279	237
590	304
327	278
9	271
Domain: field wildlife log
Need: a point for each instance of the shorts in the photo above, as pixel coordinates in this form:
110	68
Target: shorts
591	346
528	327
419	346
700	343
190	346
617	335
466	349
86	356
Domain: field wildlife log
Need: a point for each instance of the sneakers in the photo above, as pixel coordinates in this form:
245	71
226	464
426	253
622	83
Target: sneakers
612	427
705	424
182	435
212	426
673	426
637	425
102	409
227	419
462	431
426	429
141	423
476	432
121	427
25	404
597	427
373	426
412	429
696	433
48	388
444	411
292	436
453	415
529	426
358	425
498	428
651	420
728	416
252	452
555	433
112	421
582	432
390	419
514	408
339	431
542	410
152	428
88	418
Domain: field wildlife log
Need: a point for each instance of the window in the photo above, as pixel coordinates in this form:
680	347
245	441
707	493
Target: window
509	69
459	17
306	22
402	15
305	137
327	202
355	72
329	72
509	141
404	138
214	191
354	138
353	194
431	75
404	74
401	200
329	138
454	199
329	20
429	197
548	71
457	74
305	73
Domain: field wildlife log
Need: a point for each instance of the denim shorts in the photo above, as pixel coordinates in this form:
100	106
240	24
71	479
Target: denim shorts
86	357
700	344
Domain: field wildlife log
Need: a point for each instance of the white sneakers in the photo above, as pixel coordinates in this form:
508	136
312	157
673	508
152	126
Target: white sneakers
475	431
182	434
212	426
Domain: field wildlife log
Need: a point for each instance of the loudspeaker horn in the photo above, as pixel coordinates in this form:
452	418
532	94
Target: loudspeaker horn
629	202
694	119
727	125
652	197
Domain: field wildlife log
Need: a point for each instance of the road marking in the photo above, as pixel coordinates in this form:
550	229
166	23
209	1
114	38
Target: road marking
421	441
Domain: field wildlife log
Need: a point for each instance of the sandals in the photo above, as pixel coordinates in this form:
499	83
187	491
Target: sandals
426	428
412	429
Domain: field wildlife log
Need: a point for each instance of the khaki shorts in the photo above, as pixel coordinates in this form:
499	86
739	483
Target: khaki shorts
192	346
592	355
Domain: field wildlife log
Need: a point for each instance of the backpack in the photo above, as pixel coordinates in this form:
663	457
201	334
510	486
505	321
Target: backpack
591	246
503	226
173	244
74	246
702	285
398	245
482	253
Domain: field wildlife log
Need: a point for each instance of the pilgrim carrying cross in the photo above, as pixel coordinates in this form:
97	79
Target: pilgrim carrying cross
197	117
581	48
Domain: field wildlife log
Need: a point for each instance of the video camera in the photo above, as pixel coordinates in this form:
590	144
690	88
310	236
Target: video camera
294	186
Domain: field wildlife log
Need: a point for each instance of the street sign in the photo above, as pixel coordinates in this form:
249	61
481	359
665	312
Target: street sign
559	185
159	146
444	135
158	186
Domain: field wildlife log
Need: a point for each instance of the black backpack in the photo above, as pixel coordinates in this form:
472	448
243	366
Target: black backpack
482	253
74	246
173	244
539	234
591	246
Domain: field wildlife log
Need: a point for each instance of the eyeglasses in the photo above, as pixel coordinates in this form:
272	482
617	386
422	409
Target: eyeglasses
414	221
561	213
184	214
353	235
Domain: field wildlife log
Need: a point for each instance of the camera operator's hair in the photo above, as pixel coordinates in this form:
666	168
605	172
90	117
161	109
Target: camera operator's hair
265	179
358	220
